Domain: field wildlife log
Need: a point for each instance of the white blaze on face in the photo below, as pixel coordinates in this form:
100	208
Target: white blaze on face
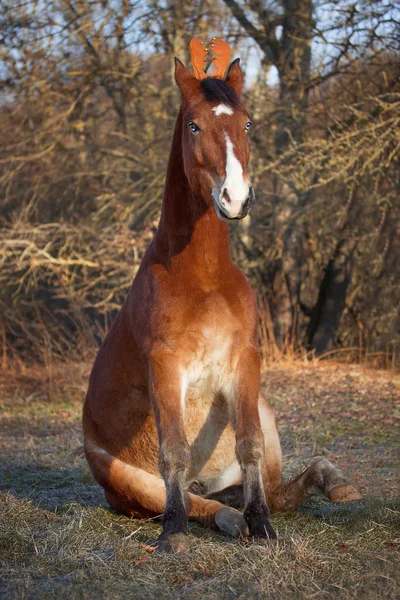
222	109
237	187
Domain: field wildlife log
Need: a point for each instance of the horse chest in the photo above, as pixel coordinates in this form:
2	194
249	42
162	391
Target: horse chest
210	366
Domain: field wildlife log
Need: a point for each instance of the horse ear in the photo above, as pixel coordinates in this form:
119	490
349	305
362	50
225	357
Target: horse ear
234	77
187	83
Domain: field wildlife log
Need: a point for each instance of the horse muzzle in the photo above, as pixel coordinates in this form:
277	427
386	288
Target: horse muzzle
231	210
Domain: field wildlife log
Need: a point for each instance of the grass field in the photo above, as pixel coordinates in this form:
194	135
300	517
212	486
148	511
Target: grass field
58	539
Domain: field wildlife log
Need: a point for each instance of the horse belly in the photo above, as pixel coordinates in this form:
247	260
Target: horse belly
208	387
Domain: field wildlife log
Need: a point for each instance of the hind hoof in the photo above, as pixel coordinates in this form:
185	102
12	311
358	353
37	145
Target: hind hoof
344	493
172	543
231	521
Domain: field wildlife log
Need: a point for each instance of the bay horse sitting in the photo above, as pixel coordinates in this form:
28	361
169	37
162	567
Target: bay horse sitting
174	422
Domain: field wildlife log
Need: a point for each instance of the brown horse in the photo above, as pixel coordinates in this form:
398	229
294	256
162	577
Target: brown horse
174	423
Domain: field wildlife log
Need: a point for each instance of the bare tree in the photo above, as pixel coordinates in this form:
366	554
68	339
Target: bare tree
352	38
87	109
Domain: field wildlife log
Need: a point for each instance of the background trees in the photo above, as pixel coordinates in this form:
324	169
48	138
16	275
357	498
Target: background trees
87	111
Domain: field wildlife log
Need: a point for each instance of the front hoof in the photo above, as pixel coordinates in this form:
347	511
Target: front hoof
172	543
260	527
232	522
344	493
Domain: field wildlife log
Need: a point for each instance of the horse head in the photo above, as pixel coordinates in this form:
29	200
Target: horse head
215	124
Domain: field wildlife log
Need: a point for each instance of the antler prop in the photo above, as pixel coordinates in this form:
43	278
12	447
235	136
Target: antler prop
198	53
222	57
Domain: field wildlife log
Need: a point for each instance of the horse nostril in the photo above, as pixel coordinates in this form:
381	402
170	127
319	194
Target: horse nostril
225	196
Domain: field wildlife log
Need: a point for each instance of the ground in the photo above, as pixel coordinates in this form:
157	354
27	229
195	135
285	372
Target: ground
58	538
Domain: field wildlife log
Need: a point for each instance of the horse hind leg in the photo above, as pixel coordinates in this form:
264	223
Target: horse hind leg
321	476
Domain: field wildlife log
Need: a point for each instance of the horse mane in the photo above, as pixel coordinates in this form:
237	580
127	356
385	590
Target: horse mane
217	90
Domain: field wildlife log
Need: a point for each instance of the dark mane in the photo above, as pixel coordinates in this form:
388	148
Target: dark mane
217	90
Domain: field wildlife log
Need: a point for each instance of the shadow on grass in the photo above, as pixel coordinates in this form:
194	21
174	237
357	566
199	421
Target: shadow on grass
50	488
55	489
352	513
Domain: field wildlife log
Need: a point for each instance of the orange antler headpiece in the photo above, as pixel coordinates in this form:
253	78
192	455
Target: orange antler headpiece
198	55
221	57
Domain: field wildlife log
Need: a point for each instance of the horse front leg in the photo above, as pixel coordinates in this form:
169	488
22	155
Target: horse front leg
250	444
174	453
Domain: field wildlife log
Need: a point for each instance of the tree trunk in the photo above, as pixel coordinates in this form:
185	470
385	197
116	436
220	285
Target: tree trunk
326	314
293	66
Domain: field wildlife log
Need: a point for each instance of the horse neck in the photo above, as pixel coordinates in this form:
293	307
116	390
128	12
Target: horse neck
189	230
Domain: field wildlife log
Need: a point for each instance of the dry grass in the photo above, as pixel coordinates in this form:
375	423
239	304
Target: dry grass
58	539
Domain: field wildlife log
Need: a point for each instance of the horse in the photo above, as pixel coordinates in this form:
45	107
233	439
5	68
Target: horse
174	422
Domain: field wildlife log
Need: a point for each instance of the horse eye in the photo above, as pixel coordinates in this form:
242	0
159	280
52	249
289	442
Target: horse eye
248	125
193	127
